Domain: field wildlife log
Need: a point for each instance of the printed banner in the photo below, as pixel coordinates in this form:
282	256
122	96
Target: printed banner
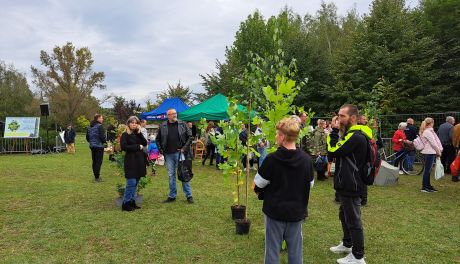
22	127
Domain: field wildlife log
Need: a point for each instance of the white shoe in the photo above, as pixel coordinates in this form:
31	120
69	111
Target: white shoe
340	249
350	259
401	172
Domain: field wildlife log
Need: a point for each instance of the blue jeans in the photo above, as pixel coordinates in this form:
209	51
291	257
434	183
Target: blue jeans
219	159
130	190
429	159
172	161
410	160
263	155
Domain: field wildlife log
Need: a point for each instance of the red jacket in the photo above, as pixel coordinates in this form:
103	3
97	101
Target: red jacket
398	145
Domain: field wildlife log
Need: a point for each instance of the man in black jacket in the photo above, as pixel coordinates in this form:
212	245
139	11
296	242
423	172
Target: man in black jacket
445	132
411	134
95	135
174	139
347	143
284	181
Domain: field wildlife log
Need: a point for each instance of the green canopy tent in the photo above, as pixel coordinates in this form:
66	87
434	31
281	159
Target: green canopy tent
215	108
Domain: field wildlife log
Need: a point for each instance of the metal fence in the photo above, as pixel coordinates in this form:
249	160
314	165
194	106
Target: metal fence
389	123
20	145
59	145
30	145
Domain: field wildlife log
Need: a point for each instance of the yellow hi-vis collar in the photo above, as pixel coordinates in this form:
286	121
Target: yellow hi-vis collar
364	129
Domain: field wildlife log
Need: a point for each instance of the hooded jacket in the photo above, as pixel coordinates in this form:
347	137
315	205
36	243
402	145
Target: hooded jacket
285	178
353	144
95	135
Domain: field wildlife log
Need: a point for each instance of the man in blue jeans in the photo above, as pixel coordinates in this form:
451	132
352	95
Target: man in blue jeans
174	139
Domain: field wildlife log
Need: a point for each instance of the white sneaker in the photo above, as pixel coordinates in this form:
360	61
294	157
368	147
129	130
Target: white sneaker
340	249
401	172
350	259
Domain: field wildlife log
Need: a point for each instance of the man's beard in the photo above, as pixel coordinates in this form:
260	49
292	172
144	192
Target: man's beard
344	128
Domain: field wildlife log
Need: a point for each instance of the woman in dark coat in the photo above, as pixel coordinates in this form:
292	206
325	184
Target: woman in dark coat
133	143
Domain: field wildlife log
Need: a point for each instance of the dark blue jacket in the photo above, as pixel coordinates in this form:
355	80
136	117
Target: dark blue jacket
95	135
69	136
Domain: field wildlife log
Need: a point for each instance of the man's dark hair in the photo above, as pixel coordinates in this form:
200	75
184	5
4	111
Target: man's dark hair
351	109
96	116
143	120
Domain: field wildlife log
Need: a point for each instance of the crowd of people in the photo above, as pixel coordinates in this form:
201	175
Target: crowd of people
335	148
443	144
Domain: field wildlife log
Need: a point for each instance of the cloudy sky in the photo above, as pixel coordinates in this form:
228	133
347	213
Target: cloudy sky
140	45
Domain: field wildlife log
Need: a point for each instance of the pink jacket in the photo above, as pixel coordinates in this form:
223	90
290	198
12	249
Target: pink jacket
431	141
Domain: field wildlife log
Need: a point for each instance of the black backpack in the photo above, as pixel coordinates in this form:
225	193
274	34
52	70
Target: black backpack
372	164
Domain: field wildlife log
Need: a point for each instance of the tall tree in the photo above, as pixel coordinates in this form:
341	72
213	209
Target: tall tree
183	92
321	37
123	109
68	80
441	20
388	44
15	95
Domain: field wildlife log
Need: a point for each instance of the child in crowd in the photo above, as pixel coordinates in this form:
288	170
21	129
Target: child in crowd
153	153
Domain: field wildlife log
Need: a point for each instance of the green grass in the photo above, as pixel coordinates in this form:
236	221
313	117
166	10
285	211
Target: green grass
51	211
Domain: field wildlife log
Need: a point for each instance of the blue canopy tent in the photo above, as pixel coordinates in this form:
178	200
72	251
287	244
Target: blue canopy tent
160	112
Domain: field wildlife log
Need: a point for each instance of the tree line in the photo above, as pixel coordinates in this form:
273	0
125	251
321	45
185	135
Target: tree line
406	60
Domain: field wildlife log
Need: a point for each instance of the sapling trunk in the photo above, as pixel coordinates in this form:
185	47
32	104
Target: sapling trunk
247	159
237	177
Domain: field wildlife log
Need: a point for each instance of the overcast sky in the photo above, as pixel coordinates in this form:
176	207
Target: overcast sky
140	45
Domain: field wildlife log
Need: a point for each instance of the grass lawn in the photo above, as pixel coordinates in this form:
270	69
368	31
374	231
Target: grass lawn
51	211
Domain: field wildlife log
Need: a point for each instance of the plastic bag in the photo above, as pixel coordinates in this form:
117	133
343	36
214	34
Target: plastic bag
439	169
184	169
455	166
160	160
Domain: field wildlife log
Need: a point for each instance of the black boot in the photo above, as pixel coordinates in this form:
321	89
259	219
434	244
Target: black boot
127	207
455	178
134	205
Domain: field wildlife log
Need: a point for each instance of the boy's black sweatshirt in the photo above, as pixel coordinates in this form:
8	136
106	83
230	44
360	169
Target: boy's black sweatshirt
289	173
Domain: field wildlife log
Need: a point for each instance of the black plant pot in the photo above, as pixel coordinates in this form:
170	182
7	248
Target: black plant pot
238	212
242	226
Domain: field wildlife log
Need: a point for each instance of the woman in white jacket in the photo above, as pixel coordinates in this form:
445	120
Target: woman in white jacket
432	149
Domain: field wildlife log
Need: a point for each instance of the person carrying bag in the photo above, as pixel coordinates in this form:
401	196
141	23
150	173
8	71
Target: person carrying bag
431	151
184	169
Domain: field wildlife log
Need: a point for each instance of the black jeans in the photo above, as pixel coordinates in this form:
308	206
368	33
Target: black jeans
97	155
447	157
251	161
210	149
398	158
350	216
